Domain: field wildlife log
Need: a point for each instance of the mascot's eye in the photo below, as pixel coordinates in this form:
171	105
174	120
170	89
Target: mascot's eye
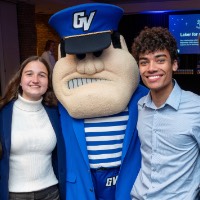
80	56
97	53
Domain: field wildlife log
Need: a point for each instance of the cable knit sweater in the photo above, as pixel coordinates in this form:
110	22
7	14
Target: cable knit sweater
32	142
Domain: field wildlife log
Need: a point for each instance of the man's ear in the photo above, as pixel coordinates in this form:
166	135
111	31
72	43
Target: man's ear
175	65
123	43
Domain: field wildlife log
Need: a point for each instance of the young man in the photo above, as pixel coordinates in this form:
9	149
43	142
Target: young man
168	124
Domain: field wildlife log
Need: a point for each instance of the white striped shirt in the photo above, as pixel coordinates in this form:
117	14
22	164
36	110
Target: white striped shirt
104	137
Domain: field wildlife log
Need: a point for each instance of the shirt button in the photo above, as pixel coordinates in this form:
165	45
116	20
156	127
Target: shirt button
91	190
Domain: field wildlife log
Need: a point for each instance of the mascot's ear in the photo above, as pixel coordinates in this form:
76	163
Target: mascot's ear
123	43
59	52
118	41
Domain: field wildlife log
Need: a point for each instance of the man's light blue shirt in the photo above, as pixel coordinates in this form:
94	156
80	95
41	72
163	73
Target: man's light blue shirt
170	147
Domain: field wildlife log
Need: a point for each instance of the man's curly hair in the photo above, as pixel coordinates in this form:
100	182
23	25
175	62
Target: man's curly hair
153	39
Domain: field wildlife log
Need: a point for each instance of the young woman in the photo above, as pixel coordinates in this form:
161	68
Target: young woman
29	131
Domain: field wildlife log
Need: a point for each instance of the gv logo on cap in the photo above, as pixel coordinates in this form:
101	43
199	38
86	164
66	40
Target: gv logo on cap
81	20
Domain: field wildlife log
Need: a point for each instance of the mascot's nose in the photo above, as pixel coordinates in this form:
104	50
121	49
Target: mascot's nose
90	64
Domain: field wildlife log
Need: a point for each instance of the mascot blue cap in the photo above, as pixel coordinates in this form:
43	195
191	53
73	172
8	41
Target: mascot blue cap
87	27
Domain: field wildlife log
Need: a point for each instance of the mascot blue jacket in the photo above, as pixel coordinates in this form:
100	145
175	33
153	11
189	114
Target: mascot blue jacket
96	81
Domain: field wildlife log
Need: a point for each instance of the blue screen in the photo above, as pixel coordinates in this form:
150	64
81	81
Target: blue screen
186	31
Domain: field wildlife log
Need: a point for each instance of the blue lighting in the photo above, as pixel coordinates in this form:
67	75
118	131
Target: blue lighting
156	11
153	12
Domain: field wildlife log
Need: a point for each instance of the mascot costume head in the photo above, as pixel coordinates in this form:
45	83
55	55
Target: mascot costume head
96	81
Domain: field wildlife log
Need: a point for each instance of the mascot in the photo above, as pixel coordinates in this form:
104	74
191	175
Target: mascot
96	81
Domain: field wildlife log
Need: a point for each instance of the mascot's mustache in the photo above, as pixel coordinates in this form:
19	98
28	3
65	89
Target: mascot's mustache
77	82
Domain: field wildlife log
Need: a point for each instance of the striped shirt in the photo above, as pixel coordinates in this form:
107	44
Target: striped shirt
104	137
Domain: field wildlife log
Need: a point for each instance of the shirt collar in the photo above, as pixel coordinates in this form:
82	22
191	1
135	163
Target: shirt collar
173	100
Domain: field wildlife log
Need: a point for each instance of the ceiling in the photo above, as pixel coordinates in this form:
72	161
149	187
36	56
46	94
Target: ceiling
52	6
129	6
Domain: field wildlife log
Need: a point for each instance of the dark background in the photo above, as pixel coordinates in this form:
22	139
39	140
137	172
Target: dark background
131	25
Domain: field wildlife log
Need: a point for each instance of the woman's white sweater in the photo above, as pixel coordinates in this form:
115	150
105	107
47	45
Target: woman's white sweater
32	142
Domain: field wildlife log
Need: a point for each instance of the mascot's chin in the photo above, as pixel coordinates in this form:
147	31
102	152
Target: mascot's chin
77	107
